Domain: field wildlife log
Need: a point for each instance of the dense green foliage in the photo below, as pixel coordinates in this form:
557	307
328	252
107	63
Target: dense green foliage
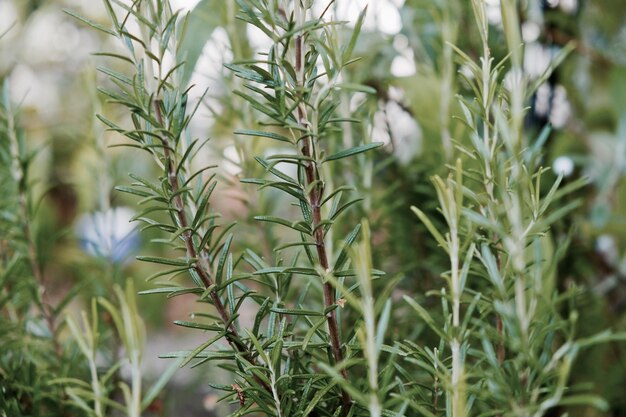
350	222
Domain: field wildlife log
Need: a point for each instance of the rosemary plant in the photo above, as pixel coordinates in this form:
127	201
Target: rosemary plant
302	109
507	323
303	104
158	104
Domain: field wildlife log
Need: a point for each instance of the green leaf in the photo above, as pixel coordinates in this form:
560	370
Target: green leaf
163	290
312	331
262	134
287	270
164	261
347	50
270	168
293	244
196	325
297	312
336	211
431	228
134	191
353	151
90	22
381	327
352	273
116	75
298	226
318	397
222	259
343	255
247	74
199	350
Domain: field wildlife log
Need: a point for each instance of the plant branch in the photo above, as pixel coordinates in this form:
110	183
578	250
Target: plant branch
200	266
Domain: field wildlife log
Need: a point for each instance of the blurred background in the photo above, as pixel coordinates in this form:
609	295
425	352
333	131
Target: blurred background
86	239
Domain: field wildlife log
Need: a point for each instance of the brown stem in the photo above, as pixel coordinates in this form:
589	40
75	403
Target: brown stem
500	349
315	197
201	265
500	353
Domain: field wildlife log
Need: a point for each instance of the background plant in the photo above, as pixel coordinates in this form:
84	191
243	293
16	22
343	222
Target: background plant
43	371
32	354
508	219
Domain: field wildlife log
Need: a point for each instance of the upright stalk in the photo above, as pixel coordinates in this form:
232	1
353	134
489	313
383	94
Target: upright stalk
298	86
452	212
315	183
362	258
450	196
